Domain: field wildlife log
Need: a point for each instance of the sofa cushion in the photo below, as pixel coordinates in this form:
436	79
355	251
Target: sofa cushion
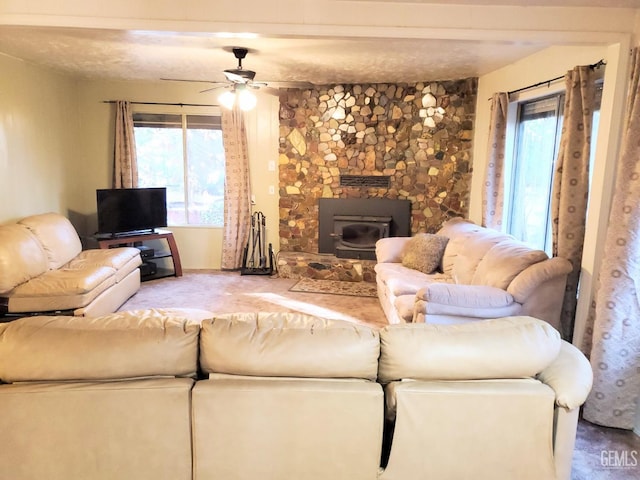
401	280
389	249
288	345
509	347
57	236
504	261
65	281
468	243
424	252
60	290
472	251
122	259
21	257
457	230
116	346
115	258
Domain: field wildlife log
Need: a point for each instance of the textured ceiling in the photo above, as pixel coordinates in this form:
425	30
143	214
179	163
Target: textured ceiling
114	54
152	55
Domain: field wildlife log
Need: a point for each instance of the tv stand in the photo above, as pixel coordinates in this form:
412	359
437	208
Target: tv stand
134	233
141	237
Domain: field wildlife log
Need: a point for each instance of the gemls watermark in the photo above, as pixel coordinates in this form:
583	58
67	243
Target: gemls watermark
619	458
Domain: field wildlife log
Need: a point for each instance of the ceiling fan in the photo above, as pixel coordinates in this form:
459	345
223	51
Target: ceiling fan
240	75
239	80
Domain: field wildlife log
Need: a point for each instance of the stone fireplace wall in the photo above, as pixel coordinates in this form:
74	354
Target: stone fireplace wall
415	137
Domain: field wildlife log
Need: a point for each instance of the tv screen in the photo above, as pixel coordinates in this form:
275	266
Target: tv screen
125	210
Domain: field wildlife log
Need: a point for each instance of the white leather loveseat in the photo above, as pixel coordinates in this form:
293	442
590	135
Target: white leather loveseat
156	394
482	274
43	269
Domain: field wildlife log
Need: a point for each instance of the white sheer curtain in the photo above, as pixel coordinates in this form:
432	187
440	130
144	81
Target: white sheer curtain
571	184
493	192
125	164
237	190
615	319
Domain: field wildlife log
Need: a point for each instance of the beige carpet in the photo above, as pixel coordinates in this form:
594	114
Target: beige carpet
229	292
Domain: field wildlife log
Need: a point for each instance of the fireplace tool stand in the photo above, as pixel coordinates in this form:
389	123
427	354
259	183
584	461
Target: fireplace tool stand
255	260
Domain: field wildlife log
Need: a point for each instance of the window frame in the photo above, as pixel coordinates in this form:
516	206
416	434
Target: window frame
513	119
515	166
183	112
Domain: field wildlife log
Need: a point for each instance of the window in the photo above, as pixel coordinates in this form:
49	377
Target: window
185	154
537	139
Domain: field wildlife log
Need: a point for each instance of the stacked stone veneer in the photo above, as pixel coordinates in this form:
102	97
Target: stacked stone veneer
419	135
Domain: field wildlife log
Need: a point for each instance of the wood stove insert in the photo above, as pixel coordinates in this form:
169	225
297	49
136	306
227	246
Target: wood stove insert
350	228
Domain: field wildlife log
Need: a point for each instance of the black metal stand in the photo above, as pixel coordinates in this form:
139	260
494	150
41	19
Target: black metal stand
254	258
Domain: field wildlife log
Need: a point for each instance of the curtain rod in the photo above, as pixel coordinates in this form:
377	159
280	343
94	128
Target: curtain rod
593	66
166	104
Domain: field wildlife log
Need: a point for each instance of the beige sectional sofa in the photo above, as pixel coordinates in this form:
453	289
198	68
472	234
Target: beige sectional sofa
181	395
44	269
482	274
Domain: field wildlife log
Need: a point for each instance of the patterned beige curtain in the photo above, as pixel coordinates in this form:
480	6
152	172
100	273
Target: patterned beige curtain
493	192
125	163
237	191
571	184
615	328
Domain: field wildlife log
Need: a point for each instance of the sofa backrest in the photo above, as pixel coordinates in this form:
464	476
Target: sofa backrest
22	257
467	244
288	345
503	348
57	236
117	346
504	261
477	255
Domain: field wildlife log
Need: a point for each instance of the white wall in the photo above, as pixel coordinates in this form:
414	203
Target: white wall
200	247
38	133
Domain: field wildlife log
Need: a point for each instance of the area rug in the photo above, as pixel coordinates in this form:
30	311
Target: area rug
335	287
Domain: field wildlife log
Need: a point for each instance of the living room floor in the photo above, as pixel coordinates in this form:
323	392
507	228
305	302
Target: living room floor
601	453
229	292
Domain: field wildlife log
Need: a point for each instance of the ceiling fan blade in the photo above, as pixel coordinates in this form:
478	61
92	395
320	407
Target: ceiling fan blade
188	80
290	84
214	88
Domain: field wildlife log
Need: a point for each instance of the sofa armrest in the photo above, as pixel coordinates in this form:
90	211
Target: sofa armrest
389	249
532	277
470	296
570	376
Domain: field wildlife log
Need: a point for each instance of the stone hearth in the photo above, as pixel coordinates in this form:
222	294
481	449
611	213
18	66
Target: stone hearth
415	137
324	267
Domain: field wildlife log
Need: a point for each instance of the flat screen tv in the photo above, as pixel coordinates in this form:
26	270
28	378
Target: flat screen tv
124	211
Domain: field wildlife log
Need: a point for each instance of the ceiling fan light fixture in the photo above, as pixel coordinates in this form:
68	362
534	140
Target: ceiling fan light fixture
227	99
246	100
